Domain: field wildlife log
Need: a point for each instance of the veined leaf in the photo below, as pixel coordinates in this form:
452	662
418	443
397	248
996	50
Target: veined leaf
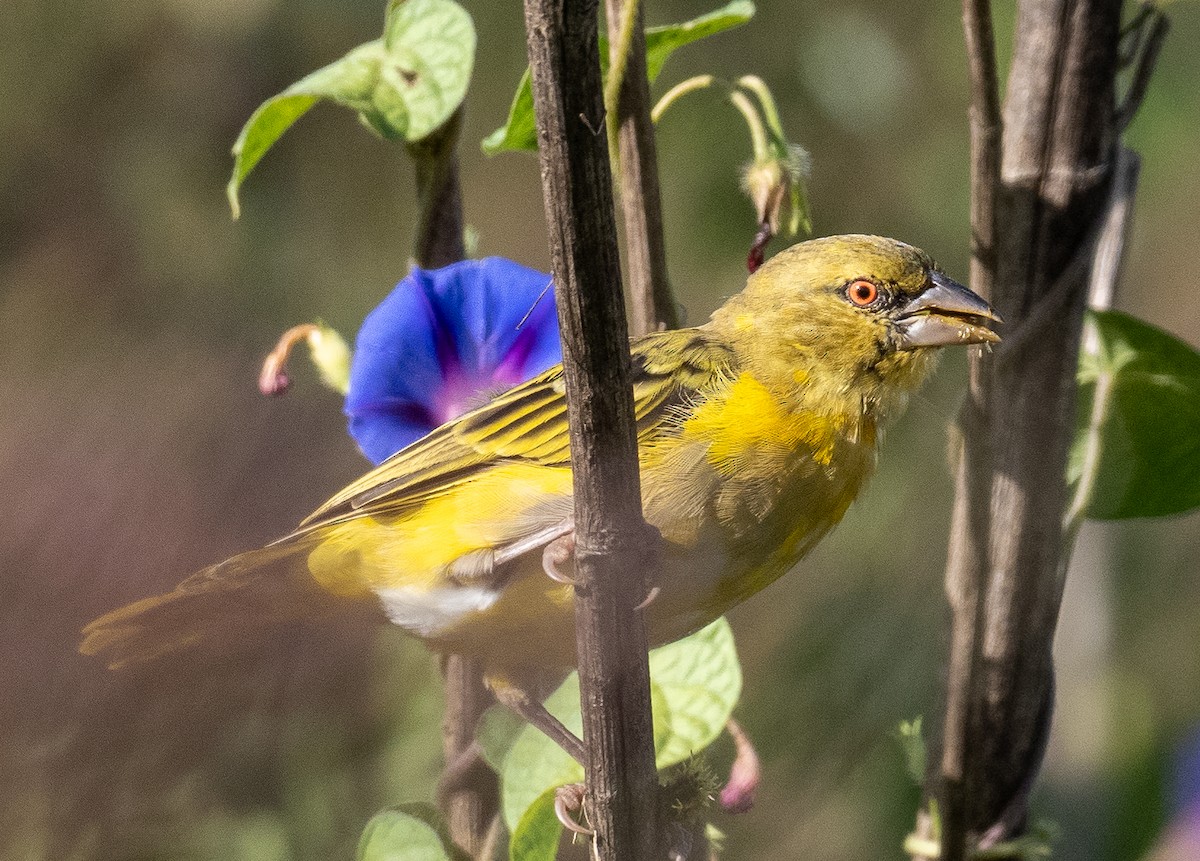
1138	450
662	42
694	685
409	832
519	132
536	835
403	86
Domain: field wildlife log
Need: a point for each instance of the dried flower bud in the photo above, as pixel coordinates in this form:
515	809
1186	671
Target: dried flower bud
327	349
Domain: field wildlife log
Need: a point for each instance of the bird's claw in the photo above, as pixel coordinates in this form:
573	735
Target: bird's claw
649	599
557	553
568	803
561	550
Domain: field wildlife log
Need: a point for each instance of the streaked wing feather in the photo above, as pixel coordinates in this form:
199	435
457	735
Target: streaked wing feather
529	423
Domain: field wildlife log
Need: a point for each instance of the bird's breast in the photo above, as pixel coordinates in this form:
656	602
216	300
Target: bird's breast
744	490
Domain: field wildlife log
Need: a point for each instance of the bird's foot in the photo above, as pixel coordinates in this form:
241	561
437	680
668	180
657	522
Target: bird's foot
561	551
568	805
556	554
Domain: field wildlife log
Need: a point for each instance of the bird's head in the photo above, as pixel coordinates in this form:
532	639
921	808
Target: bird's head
852	319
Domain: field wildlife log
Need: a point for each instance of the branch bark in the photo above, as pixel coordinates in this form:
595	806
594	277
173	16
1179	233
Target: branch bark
472	800
471	791
1038	196
609	530
653	305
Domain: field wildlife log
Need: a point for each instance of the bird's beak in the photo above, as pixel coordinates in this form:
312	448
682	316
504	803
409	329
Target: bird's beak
946	313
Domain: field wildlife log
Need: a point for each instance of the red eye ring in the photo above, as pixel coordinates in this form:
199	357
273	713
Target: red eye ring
862	293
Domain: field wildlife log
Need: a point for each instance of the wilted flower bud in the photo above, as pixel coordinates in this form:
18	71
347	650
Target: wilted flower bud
776	180
327	349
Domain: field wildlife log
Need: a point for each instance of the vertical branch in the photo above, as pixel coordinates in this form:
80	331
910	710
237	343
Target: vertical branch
984	112
970	520
653	305
1041	187
611	639
469	790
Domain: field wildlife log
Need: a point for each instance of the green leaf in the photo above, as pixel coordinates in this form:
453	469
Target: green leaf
694	685
408	832
537	834
912	746
430	46
519	132
403	86
663	41
698	680
1142	458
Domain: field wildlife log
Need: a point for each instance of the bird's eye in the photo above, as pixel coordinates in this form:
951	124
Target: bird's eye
862	293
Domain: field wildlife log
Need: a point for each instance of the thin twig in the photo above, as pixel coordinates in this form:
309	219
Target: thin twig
691	85
472	799
964	585
986	127
1144	70
623	19
1106	269
631	141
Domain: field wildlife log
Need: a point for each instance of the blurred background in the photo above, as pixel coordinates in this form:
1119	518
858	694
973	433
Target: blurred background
134	447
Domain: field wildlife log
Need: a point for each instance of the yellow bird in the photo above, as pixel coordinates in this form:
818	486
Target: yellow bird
756	431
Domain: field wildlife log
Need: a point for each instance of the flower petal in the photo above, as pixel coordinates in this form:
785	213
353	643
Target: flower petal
444	340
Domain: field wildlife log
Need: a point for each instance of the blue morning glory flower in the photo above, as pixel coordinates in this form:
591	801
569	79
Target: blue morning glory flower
444	341
1180	838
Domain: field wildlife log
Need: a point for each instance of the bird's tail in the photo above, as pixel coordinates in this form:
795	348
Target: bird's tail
222	605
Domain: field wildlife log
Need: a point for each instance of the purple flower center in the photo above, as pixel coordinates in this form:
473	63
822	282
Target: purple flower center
444	341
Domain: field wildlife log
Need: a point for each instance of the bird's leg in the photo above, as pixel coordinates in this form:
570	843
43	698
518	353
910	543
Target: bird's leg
486	566
519	701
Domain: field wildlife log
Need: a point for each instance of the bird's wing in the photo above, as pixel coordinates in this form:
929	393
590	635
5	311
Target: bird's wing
525	427
528	424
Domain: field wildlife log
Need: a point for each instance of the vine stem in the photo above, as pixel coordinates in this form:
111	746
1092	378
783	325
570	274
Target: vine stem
633	150
617	65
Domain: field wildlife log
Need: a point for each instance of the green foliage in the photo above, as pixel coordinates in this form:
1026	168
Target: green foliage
663	41
1137	448
536	836
694	685
403	86
912	746
519	132
408	832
